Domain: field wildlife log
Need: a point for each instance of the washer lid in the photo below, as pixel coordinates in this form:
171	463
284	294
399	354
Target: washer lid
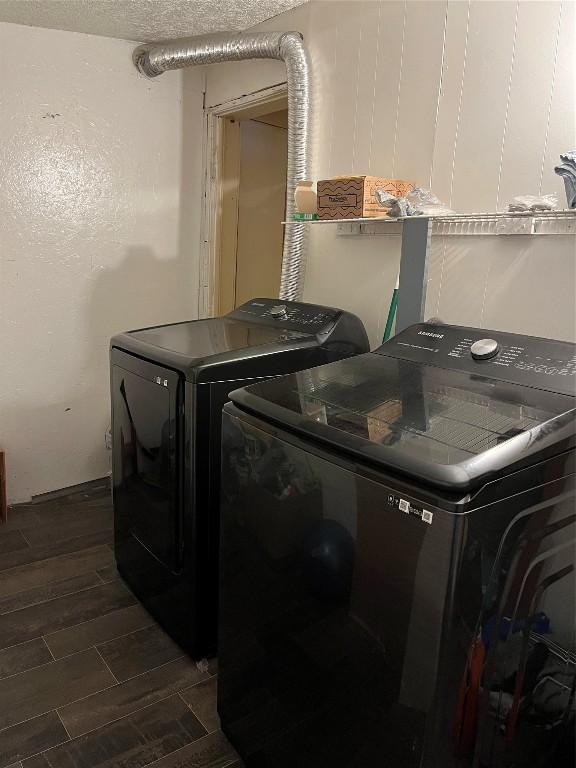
443	427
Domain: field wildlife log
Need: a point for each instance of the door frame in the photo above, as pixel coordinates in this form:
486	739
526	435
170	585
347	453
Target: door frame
214	195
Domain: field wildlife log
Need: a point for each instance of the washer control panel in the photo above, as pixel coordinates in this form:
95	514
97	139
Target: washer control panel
529	360
308	318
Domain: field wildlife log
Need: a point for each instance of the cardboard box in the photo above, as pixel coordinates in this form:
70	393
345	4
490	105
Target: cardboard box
352	197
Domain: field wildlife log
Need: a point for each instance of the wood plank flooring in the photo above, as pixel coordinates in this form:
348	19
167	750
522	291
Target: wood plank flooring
87	678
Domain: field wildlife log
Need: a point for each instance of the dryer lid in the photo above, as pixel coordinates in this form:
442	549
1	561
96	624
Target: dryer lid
447	428
199	339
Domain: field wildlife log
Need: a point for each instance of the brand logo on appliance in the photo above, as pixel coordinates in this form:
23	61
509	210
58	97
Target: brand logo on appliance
429	333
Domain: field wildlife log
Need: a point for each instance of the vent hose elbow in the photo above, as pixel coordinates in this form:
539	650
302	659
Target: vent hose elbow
152	60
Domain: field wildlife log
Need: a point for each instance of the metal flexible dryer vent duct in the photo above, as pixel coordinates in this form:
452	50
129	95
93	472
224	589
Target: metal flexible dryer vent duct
153	60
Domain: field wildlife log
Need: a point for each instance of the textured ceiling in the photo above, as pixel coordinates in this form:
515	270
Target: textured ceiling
143	20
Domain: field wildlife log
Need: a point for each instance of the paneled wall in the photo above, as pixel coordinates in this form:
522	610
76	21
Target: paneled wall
475	99
472	98
98	234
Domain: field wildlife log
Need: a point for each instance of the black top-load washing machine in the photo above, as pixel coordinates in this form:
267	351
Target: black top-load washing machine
397	558
168	386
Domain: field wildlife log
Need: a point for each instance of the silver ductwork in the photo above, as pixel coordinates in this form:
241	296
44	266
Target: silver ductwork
288	47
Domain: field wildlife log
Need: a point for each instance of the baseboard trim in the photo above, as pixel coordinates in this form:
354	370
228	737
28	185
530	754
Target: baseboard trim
88	486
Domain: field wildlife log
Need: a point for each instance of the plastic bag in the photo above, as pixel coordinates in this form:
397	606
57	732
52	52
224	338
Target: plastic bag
533	203
426	203
567	170
418	202
397	206
384	198
569	157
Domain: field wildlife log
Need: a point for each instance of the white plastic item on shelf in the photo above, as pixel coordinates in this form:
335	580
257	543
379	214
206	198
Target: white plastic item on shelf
533	203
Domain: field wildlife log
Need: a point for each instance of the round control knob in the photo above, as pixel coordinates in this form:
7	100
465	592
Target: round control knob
279	311
484	349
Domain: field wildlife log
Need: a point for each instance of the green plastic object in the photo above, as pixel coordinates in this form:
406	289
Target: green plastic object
391	314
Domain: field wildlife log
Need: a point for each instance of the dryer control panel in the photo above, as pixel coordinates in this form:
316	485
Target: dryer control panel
528	360
308	318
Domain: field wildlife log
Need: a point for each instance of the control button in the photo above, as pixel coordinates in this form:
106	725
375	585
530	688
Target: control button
279	311
484	349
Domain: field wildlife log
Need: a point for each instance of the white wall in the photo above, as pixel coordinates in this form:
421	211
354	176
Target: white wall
473	99
98	233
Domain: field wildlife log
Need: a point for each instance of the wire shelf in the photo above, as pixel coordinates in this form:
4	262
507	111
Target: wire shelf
561	222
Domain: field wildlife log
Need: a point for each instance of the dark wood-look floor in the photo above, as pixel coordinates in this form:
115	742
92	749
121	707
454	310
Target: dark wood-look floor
87	679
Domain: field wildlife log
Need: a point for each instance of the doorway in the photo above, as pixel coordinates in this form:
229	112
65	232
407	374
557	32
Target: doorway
249	235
